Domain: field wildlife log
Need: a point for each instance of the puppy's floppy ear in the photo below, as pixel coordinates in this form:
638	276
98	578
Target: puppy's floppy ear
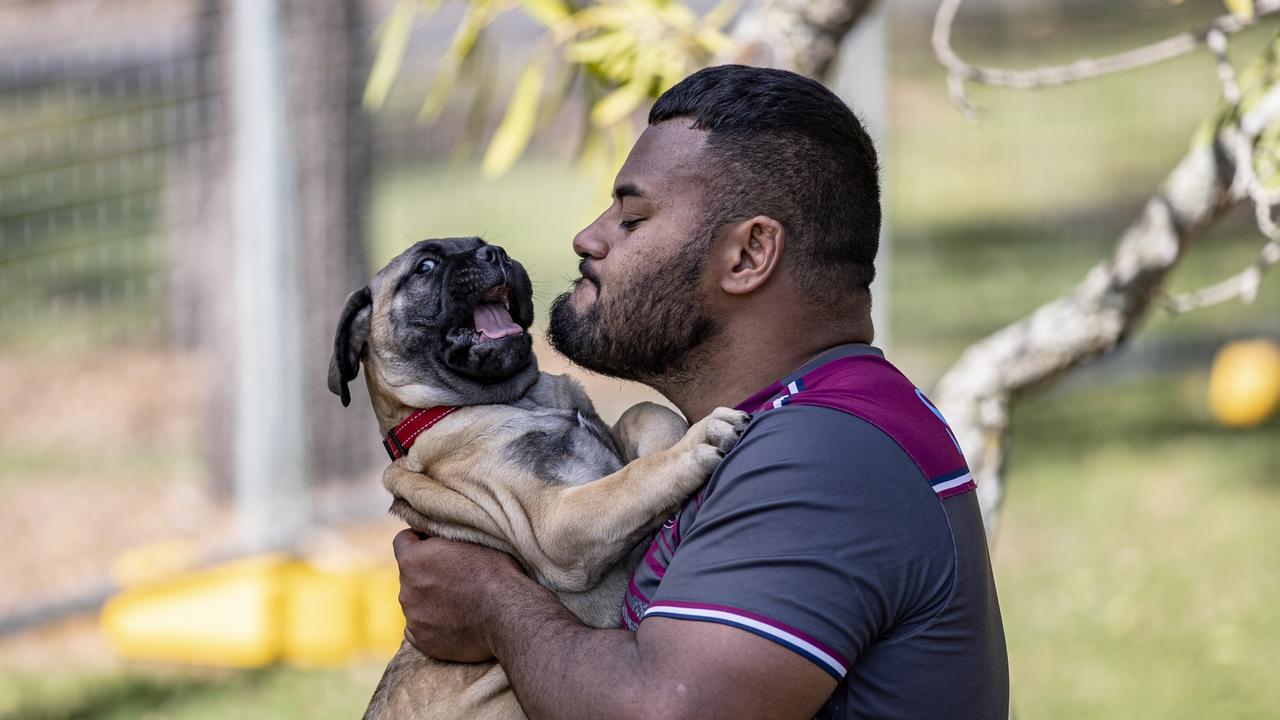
354	326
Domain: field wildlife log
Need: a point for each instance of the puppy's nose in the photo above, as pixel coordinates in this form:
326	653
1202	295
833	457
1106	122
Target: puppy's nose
490	255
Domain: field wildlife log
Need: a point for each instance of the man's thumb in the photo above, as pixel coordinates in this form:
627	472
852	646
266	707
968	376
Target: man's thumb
406	539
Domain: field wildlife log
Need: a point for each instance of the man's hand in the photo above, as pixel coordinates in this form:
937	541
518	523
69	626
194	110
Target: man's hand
446	590
467	603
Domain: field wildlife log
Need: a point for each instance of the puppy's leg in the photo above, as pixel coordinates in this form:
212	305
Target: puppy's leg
427	505
646	428
586	529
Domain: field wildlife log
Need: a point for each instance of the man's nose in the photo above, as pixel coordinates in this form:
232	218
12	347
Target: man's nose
587	243
491	255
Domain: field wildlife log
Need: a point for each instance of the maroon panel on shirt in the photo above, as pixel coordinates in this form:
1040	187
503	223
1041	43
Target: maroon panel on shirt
869	387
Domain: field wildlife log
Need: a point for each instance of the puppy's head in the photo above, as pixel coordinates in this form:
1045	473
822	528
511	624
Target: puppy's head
445	323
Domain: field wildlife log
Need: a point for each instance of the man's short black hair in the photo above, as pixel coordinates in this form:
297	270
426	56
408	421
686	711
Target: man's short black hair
785	146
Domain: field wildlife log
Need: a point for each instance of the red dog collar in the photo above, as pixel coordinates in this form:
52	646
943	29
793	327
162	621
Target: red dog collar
401	437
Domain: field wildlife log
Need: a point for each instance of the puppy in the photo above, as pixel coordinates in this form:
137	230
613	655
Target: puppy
486	449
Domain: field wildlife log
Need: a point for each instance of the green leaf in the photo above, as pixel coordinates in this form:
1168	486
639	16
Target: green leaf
598	47
620	103
713	41
547	12
560	86
481	71
671	69
1242	9
392	39
592	154
720	15
677	16
512	136
479	14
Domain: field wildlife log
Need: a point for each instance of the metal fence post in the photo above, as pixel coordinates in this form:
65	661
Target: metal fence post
271	472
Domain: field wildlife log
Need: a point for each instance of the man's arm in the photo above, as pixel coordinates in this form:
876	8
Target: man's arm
467	603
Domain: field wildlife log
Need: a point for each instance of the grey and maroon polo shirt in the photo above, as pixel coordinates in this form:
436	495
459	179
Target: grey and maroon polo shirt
844	527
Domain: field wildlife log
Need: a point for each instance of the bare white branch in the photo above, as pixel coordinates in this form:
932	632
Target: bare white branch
800	35
1262	114
1216	41
960	72
977	393
1239	140
1242	286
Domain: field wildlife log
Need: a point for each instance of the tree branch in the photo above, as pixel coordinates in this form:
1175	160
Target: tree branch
976	393
1243	286
799	35
1240	142
960	72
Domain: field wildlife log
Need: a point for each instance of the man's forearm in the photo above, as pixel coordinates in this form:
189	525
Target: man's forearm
561	668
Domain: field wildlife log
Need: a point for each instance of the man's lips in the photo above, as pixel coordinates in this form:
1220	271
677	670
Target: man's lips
588	274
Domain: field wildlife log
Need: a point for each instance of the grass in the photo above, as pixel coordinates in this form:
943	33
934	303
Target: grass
1135	561
278	693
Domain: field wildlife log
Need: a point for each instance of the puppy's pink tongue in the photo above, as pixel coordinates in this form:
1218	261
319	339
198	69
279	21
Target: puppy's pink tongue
494	321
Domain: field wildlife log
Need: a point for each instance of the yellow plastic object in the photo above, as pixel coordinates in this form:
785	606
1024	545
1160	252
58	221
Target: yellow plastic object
154	561
383	619
227	616
258	611
1244	384
321	616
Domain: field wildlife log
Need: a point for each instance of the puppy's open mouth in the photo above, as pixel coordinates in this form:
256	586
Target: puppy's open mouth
492	316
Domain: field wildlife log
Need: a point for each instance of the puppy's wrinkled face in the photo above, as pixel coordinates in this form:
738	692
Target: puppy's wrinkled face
459	303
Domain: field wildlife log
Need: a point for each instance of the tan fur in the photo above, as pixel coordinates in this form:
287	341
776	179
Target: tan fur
581	539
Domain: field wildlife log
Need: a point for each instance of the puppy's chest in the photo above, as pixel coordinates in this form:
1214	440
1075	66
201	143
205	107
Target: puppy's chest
561	446
557	445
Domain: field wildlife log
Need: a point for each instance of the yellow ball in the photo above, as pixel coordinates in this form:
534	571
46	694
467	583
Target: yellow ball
1244	385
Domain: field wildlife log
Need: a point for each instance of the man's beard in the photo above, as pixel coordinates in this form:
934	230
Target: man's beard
648	328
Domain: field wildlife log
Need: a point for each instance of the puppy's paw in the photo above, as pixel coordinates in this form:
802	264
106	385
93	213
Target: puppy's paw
720	432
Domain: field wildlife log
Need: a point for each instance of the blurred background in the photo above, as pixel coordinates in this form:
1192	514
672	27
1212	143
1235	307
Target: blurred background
190	188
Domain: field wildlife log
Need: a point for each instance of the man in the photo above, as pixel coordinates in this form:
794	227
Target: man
835	564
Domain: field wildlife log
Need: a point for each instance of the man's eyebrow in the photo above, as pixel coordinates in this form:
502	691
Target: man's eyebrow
627	190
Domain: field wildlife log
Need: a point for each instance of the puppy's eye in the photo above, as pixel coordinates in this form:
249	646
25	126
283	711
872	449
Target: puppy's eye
427	265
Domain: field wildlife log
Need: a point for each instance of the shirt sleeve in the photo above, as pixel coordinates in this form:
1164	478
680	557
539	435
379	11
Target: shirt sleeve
817	532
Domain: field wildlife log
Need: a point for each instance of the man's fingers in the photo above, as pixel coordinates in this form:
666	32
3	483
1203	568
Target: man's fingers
404	540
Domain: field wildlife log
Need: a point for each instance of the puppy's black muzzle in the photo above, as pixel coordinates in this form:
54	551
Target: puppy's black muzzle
488	267
485	275
493	255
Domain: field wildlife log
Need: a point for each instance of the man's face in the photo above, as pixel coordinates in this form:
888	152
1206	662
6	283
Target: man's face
639	311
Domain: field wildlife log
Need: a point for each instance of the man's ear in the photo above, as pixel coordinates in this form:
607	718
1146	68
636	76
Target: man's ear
748	254
354	326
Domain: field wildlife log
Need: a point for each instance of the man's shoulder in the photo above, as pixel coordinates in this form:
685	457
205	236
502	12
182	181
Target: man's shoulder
870	388
814	450
836	432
